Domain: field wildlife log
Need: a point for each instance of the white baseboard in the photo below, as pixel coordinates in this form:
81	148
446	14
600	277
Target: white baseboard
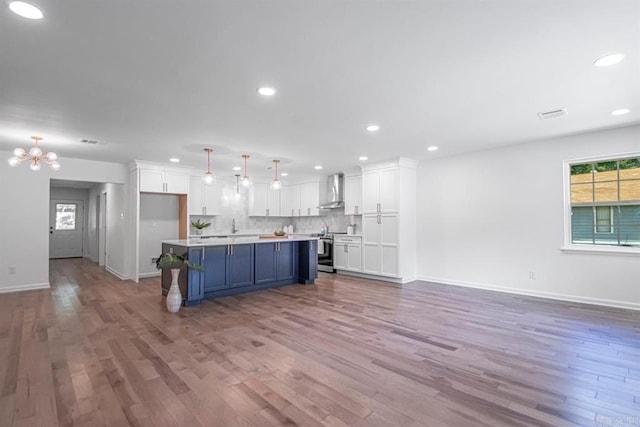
548	295
92	259
116	273
145	275
20	288
371	276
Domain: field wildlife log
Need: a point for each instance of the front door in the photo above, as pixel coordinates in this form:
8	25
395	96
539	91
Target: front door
66	219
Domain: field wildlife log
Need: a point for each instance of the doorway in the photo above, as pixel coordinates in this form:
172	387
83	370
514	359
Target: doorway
66	228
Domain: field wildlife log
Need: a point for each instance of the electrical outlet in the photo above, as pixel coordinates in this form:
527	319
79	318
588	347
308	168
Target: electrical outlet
12	270
532	275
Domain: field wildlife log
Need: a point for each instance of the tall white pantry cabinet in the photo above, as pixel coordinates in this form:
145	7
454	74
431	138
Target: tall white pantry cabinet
389	219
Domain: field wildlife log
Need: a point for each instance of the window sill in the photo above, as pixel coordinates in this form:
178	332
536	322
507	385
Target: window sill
578	249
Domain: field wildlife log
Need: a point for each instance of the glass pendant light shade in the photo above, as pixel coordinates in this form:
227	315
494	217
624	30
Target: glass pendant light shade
35	151
51	156
14	161
208	176
246	182
237	195
276	184
35	165
19	152
54	165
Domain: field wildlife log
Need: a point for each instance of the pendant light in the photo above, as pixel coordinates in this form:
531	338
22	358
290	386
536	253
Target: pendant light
237	195
35	156
245	179
276	184
208	176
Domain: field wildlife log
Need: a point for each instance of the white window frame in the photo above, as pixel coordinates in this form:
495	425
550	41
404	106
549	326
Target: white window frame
568	246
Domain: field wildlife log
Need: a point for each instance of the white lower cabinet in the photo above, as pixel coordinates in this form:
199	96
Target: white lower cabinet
347	252
380	244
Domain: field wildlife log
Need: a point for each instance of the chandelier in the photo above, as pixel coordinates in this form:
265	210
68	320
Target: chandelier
35	157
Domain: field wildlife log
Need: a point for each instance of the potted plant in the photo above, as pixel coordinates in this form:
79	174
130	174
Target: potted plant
199	225
175	263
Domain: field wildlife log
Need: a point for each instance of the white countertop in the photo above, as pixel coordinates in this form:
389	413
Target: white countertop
221	241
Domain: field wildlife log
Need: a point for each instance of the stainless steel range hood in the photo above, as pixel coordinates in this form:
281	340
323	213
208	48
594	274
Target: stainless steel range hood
335	192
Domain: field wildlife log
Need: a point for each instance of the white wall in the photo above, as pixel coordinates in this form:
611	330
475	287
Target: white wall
24	217
489	218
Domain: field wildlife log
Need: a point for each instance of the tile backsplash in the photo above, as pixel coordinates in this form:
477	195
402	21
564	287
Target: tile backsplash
238	208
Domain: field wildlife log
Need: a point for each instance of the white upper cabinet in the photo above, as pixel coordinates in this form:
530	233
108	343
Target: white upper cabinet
204	199
353	195
273	201
290	201
380	190
293	205
161	181
310	198
258	199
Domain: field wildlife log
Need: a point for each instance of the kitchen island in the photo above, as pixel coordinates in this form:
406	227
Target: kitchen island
236	265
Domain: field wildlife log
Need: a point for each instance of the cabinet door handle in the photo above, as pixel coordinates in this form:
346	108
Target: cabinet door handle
205	209
308	211
202	254
230	249
267	212
379	219
346	247
355	210
379	207
299	212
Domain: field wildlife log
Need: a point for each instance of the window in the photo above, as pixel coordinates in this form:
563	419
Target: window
605	202
65	216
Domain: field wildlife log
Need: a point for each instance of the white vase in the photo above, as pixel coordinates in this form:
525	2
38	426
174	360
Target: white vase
198	232
174	297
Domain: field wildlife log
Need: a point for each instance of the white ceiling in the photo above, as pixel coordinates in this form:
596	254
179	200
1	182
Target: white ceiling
156	79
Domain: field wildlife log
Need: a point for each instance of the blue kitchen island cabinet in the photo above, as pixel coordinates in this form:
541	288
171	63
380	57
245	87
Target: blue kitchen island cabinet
275	262
237	266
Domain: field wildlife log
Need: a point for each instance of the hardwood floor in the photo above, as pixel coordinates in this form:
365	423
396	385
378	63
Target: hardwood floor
95	350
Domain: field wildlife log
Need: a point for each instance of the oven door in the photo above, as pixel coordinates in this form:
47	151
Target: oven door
325	254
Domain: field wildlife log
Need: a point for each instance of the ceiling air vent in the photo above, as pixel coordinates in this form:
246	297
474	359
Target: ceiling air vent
92	142
552	113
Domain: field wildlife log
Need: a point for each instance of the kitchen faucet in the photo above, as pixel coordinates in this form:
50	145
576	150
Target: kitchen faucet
234	230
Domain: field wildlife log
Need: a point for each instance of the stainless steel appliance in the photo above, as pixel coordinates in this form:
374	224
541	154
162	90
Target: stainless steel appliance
325	252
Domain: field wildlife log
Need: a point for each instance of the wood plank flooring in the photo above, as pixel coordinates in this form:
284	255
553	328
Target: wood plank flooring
94	351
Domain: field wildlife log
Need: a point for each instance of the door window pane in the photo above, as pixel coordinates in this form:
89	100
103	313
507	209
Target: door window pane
65	216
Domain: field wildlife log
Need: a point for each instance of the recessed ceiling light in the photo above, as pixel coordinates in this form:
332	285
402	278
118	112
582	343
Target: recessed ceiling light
174	160
620	112
284	174
25	10
318	167
266	91
237	168
363	158
432	148
608	60
373	128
